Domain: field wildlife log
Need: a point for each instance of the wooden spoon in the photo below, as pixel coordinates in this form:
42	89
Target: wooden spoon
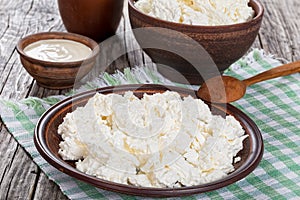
225	89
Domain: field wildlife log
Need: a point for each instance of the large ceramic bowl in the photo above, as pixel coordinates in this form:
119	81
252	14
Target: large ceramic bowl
225	44
47	142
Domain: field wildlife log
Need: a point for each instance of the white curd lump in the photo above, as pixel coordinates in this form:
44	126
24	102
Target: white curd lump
160	140
58	50
198	12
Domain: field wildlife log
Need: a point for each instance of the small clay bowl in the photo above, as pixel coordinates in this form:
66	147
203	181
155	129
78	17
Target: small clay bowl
57	75
225	44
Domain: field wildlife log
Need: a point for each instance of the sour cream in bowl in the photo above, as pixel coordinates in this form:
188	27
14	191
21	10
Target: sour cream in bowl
58	50
57	59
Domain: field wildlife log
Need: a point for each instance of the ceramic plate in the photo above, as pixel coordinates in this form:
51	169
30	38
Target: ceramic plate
47	142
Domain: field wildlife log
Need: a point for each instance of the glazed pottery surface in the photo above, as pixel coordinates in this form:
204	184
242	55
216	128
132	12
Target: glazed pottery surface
97	19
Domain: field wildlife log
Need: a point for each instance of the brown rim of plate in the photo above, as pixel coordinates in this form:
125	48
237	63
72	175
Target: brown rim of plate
55	114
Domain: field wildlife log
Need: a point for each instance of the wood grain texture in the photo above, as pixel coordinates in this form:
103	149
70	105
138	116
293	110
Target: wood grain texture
17	179
279	33
20	178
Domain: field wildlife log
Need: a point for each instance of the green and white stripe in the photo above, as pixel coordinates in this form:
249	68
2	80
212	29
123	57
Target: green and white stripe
274	106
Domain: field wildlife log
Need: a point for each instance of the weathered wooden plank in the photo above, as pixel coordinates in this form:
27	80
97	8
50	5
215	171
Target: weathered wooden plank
19	175
280	29
41	92
21	18
16	180
121	62
20	178
7	151
16	169
135	58
46	189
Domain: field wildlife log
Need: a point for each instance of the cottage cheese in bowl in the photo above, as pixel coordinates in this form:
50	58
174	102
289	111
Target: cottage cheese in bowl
160	140
198	12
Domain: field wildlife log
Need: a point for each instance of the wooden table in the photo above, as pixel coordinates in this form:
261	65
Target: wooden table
20	178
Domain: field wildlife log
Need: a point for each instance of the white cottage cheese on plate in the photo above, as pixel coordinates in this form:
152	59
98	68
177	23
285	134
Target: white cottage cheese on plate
198	12
161	140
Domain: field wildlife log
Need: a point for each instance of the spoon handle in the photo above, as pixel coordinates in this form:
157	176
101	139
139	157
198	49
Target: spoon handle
282	70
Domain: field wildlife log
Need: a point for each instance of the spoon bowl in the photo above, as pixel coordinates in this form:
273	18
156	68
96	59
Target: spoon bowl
226	89
222	89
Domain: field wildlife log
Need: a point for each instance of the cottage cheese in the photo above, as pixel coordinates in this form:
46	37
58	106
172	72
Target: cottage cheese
161	140
198	12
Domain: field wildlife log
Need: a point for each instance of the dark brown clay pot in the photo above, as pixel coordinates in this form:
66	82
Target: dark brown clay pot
97	19
224	44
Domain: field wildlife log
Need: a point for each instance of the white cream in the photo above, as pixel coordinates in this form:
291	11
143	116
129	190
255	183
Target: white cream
198	12
160	140
58	50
